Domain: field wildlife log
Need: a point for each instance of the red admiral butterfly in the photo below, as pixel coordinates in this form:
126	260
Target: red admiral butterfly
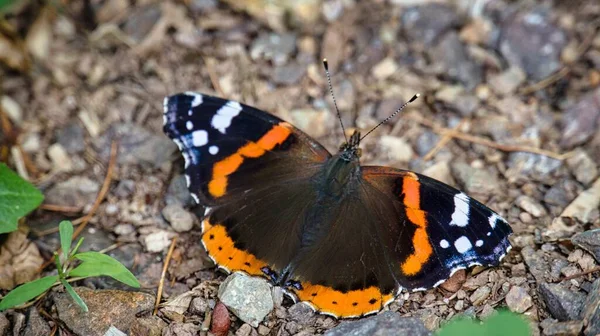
342	237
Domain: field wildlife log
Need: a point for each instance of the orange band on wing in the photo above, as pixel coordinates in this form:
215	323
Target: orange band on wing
343	304
217	186
411	188
221	249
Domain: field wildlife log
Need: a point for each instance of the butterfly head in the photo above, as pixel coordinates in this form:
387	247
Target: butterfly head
350	151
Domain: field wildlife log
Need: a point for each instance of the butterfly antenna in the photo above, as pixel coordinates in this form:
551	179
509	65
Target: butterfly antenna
393	114
326	66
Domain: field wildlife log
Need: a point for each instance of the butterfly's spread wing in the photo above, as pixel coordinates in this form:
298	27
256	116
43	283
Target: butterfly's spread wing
397	230
443	230
252	169
230	148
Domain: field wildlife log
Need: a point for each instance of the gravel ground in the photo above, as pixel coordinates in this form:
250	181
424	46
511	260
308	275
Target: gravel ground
509	113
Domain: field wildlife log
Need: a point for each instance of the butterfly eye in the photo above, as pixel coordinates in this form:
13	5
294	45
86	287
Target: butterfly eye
359	152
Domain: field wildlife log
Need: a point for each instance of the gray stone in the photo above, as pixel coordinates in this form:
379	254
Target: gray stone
554	328
529	164
124	306
140	21
289	74
178	192
180	219
476	181
274	47
112	331
125	188
386	323
147	326
536	263
137	145
583	167
591	311
249	298
561	302
531	206
562	193
584	208
533	43
302	313
4	324
518	299
36	325
71	138
452	55
507	81
182	329
480	294
199	306
425	24
580	121
77	191
589	241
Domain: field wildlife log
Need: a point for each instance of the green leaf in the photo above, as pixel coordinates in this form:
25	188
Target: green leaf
17	198
27	291
74	295
97	264
65	229
507	323
502	323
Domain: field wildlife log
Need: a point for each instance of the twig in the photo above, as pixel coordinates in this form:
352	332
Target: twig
490	143
111	165
210	63
443	141
85	219
163	275
60	208
574	276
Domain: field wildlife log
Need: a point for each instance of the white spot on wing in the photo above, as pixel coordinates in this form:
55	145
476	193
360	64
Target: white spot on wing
479	243
199	138
444	243
195	197
189	125
188	182
463	244
493	219
213	150
197	98
460	217
224	115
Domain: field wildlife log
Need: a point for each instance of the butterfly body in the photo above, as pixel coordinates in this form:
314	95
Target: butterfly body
342	237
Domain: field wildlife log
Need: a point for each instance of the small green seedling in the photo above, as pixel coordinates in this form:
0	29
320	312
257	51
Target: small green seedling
502	323
91	264
17	198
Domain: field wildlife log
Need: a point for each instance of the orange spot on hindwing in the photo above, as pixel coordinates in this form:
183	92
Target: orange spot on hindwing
217	186
353	303
221	249
411	188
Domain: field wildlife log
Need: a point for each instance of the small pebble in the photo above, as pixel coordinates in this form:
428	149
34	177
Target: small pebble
518	299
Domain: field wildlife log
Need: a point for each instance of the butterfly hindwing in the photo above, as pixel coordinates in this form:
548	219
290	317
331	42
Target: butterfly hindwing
451	230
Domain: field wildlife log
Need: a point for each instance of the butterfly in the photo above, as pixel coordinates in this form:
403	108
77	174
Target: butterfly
342	237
